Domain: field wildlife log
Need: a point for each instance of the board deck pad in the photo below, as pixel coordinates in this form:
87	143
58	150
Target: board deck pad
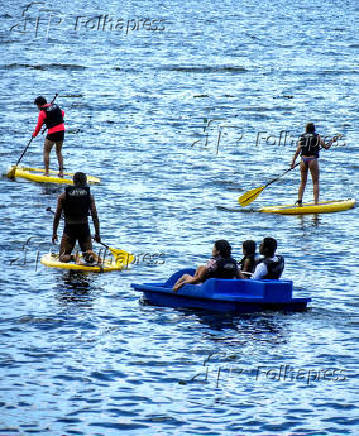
37	175
321	207
291	209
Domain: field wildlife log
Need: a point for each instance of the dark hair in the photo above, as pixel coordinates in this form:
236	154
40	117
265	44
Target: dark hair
80	179
40	100
223	247
310	128
249	247
269	247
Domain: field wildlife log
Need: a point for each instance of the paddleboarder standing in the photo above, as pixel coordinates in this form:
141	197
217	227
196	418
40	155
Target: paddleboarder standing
76	203
53	117
308	147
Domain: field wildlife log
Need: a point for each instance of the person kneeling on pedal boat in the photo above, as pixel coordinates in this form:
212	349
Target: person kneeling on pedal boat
76	203
271	265
220	266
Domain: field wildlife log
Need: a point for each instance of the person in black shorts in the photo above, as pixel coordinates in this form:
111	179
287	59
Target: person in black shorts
53	117
76	203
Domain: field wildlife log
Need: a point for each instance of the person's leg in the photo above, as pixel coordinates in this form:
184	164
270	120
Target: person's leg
47	150
85	241
66	247
60	159
303	181
314	171
200	276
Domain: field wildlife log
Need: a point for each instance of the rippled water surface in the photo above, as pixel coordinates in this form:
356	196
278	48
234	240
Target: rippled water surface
79	354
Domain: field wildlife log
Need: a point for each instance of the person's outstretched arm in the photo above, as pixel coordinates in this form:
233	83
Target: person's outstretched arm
328	144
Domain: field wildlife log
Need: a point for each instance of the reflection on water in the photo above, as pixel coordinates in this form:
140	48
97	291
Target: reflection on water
306	221
51	189
73	286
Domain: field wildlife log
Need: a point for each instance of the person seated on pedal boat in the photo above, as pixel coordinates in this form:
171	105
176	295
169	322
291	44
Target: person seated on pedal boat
271	265
247	263
221	265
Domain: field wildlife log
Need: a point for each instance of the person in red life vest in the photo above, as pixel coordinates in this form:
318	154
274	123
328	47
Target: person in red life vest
76	203
53	117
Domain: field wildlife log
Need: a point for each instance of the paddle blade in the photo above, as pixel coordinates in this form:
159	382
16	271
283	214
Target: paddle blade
121	256
11	173
250	196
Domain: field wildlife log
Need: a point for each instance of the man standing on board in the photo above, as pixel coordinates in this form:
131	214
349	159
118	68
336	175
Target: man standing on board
53	117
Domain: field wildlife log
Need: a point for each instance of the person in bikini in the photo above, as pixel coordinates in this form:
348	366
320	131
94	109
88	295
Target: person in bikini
53	117
308	147
76	203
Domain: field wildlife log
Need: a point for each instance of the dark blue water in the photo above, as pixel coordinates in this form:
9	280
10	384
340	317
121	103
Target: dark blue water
79	354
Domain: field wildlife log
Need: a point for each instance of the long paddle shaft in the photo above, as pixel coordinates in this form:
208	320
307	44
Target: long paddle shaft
25	150
251	195
285	172
11	173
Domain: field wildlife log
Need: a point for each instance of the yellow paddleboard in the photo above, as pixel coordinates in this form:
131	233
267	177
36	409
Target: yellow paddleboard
322	207
37	175
52	260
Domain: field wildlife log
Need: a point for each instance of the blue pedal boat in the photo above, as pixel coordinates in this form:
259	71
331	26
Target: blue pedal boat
224	295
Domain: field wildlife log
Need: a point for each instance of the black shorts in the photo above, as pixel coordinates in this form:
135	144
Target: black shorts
78	232
56	137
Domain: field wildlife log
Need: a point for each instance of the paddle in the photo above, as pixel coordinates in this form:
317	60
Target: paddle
11	173
251	195
120	255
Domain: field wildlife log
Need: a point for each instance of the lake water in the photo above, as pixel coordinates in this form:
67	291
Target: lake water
143	84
